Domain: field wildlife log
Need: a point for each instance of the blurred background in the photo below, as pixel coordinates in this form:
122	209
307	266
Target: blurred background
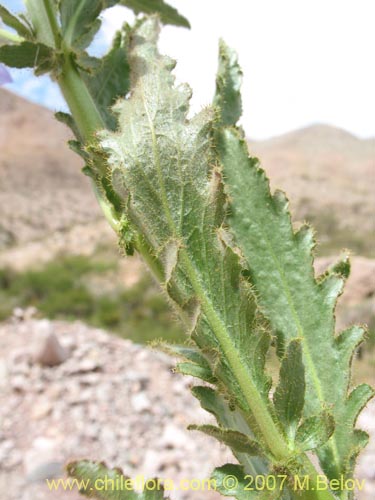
309	110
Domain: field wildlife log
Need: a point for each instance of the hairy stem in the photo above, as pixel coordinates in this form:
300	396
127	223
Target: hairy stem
89	121
79	99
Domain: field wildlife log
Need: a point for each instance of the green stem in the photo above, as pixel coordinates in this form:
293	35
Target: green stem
89	121
55	30
79	99
270	433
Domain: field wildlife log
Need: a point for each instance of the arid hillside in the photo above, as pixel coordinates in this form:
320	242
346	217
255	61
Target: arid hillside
329	176
42	189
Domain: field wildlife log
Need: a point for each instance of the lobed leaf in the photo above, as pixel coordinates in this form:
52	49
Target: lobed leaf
315	431
110	484
289	396
111	80
228	84
28	55
230	482
196	370
235	440
280	266
16	23
166	164
79	21
167	13
231	418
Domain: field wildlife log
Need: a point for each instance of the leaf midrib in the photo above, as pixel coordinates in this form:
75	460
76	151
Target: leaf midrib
264	420
301	332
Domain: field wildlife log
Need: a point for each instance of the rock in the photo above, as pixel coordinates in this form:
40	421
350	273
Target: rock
49	351
92	430
19	383
115	401
3	373
41	410
20	314
84	366
42	461
140	402
48	470
5	449
174	437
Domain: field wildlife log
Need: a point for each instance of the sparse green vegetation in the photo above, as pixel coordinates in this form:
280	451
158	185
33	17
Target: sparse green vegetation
63	289
333	237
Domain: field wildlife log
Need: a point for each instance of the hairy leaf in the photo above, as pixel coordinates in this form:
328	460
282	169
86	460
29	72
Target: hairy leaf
298	306
289	396
28	55
39	17
315	431
235	440
79	21
230	418
196	370
167	13
166	164
68	120
228	84
15	23
110	484
230	482
111	80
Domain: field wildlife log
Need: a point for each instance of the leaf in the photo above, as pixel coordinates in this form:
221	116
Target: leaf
214	403
28	55
234	439
230	482
185	352
195	370
111	80
228	84
110	484
315	431
15	23
166	164
295	303
68	120
79	21
167	13
342	267
39	15
290	393
194	364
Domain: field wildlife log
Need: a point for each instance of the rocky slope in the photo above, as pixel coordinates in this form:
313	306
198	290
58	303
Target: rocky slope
42	189
110	400
328	174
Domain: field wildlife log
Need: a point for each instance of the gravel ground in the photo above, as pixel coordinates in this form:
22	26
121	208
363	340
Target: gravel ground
110	400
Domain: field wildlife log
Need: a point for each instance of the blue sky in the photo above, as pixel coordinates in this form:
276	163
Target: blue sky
41	90
304	61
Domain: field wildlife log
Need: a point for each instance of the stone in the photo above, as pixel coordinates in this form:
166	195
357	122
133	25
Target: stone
41	409
19	383
140	402
86	365
42	461
5	449
49	351
174	437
